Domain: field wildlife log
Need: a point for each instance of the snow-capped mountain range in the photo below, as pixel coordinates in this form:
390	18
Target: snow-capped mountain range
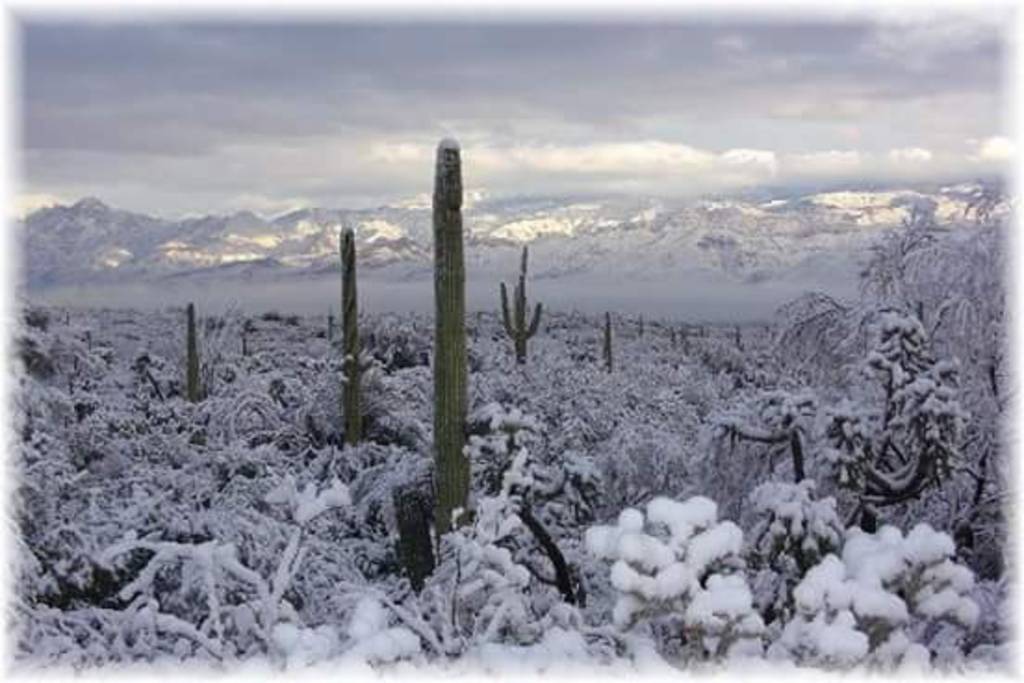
748	239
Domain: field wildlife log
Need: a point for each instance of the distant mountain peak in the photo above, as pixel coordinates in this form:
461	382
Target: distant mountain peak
743	238
90	204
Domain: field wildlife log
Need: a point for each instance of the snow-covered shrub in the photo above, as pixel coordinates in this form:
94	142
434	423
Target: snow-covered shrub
399	343
677	560
200	606
871	604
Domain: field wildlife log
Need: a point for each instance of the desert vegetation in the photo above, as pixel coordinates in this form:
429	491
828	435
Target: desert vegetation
827	487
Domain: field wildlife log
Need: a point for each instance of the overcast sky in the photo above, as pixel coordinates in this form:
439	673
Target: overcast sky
175	118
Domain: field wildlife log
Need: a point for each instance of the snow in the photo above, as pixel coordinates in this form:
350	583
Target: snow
306	503
448	144
304	647
238	530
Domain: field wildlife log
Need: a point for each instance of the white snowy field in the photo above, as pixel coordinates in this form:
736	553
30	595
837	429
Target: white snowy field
824	491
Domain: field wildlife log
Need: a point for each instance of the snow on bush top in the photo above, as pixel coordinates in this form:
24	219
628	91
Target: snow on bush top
681	560
856	609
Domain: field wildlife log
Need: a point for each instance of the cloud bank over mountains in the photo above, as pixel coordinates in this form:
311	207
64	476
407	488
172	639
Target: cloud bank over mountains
176	118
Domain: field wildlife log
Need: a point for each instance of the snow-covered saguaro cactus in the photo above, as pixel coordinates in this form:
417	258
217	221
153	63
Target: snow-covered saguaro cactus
451	466
864	607
351	403
607	349
192	389
678	560
515	321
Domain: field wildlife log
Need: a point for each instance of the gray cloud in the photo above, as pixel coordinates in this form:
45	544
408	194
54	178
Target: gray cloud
178	117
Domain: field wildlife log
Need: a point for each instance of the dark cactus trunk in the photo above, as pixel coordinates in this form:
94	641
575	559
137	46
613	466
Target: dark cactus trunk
192	390
247	328
350	339
796	448
415	550
451	466
608	342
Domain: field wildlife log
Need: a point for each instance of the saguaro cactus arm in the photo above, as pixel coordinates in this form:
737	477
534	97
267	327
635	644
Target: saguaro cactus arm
506	317
451	466
535	323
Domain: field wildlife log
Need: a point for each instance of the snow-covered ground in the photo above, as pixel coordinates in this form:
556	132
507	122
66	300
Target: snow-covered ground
823	491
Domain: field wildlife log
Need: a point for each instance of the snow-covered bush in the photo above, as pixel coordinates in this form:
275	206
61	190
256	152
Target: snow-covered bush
869	605
230	617
677	560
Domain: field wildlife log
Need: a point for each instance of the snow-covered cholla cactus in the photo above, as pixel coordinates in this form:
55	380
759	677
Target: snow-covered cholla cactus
776	418
793	531
792	523
865	607
891	455
678	560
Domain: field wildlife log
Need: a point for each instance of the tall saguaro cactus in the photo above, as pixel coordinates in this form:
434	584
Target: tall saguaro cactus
515	322
350	339
608	342
451	466
192	391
